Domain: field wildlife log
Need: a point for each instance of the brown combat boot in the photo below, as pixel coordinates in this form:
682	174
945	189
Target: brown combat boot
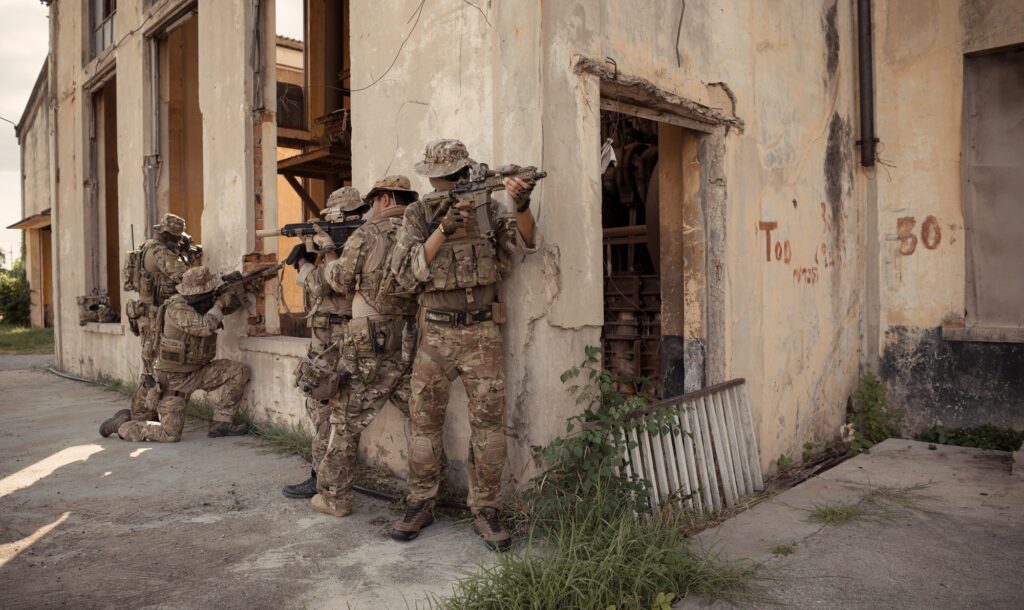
111	425
226	428
331	507
487	523
418	515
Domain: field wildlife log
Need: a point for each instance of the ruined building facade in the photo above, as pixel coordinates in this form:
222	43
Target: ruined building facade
741	231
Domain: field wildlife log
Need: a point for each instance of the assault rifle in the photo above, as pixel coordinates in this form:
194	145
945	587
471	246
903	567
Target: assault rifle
191	252
339	231
236	283
476	191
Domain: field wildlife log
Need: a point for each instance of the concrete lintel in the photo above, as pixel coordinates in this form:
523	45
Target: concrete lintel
642	93
983	334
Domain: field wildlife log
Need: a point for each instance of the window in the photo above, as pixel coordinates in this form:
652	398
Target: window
103	220
291	106
994	173
102	20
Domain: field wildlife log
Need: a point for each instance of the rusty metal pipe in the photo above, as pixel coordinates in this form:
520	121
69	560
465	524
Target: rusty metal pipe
865	65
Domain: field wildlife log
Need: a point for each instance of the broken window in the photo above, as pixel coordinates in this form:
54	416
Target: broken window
104	259
994	172
314	135
101	15
653	251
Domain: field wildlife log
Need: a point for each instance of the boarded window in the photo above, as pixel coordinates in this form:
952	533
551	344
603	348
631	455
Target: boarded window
994	171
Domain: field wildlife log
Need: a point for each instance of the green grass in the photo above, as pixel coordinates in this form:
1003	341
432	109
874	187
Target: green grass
985	436
25	340
595	558
837	513
886	496
782	550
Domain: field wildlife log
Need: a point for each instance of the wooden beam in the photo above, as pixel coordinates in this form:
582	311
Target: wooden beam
307	201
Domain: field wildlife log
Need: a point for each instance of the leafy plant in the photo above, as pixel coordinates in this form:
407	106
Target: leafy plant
808	453
985	436
872	417
591	453
784	462
15	296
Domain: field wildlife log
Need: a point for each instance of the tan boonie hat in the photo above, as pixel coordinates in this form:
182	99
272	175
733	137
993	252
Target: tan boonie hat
345	199
443	158
170	223
391	183
198	280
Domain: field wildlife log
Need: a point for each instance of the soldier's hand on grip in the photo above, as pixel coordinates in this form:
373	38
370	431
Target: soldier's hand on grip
454	218
322	239
298	255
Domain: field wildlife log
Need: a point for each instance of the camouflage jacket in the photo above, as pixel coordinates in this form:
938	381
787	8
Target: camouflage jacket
466	260
364	266
188	339
161	267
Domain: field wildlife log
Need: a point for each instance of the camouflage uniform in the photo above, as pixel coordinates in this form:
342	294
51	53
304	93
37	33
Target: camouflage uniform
161	270
372	347
186	350
458	337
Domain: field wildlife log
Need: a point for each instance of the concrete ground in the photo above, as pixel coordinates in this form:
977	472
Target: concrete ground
962	546
91	522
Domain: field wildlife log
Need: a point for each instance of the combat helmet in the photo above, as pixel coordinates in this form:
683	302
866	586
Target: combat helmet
443	158
397	183
172	224
198	280
342	202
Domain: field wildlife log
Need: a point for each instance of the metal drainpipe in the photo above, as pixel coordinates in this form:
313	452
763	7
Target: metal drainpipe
865	65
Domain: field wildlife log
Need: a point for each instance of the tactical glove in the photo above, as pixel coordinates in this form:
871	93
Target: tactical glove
452	221
298	255
322	239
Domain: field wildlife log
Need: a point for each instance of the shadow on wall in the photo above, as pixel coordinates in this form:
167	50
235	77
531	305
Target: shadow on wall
953	383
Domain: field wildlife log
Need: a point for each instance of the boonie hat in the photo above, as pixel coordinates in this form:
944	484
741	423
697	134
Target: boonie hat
171	223
198	280
397	183
443	158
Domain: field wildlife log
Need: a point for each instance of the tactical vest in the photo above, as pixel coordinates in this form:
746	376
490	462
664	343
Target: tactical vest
150	280
466	260
375	281
179	351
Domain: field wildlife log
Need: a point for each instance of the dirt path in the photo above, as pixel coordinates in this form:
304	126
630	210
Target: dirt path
92	522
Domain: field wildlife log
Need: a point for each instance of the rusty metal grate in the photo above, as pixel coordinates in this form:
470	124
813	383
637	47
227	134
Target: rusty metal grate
709	461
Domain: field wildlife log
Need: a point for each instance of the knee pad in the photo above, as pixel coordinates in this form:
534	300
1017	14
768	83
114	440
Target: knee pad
495	448
421	454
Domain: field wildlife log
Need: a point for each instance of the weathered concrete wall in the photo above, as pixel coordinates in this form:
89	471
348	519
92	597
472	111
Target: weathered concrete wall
919	67
508	89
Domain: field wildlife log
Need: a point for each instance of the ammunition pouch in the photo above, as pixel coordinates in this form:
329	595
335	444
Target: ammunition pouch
135	310
172	351
316	377
324	321
377	334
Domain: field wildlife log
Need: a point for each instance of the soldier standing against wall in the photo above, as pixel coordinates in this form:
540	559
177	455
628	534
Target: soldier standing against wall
329	313
456	272
372	349
153	270
187	325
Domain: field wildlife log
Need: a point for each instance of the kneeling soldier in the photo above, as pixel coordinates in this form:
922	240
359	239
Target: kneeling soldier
188	325
372	346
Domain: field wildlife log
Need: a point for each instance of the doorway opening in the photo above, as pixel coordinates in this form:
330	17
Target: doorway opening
653	237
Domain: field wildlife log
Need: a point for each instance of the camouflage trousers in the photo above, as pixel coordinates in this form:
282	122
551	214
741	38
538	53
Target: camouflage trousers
376	378
319	412
226	379
144	403
473	353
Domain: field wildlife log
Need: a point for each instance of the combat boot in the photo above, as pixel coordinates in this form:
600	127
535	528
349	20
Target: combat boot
302	491
331	507
487	523
418	515
111	425
226	428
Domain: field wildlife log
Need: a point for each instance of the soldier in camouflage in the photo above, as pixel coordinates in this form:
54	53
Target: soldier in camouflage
187	344
159	267
456	270
372	353
329	313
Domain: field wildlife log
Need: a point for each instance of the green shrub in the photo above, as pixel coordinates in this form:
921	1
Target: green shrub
985	436
15	296
873	419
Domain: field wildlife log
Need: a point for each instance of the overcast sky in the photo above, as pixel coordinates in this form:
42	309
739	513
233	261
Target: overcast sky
24	36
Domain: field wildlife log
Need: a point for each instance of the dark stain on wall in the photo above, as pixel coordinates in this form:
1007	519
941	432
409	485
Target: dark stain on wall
953	383
838	167
828	26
